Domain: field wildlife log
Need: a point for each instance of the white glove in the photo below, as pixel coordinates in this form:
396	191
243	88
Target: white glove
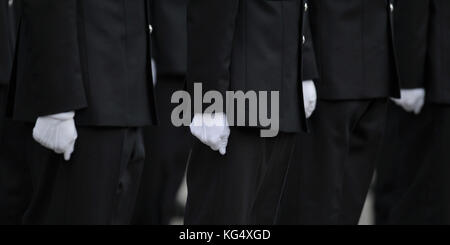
309	97
212	130
57	132
412	100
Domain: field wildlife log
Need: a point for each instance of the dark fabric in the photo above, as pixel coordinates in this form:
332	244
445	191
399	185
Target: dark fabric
3	102
15	186
441	164
412	186
438	76
418	182
249	45
167	147
309	58
353	44
88	56
169	20
244	186
5	43
15	14
405	183
167	150
411	35
14	176
98	186
334	165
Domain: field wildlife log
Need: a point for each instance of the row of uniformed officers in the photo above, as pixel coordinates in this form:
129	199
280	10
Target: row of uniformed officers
93	58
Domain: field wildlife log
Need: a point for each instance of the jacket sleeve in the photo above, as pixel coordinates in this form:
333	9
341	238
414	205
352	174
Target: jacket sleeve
309	57
169	36
411	35
54	58
211	27
5	47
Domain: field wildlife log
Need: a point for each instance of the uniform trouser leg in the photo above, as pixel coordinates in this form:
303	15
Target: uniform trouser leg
334	164
387	173
14	176
167	151
441	163
98	185
242	187
404	173
3	103
15	186
425	199
364	148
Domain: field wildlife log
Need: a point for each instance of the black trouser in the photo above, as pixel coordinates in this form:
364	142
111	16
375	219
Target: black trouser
441	162
98	185
167	150
14	177
3	103
242	187
334	164
403	171
412	177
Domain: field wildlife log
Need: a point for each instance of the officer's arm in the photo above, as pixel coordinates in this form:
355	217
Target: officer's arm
5	52
211	27
411	35
56	82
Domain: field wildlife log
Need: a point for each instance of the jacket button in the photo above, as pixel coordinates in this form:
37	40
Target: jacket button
150	27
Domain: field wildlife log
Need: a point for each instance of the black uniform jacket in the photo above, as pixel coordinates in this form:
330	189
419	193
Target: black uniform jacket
438	62
6	47
411	40
249	45
352	42
169	20
88	56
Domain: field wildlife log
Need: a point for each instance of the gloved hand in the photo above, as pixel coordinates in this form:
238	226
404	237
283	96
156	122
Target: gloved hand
309	97
212	130
412	100
57	132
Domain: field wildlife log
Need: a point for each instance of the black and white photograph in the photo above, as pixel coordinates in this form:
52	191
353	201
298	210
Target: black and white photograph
246	115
